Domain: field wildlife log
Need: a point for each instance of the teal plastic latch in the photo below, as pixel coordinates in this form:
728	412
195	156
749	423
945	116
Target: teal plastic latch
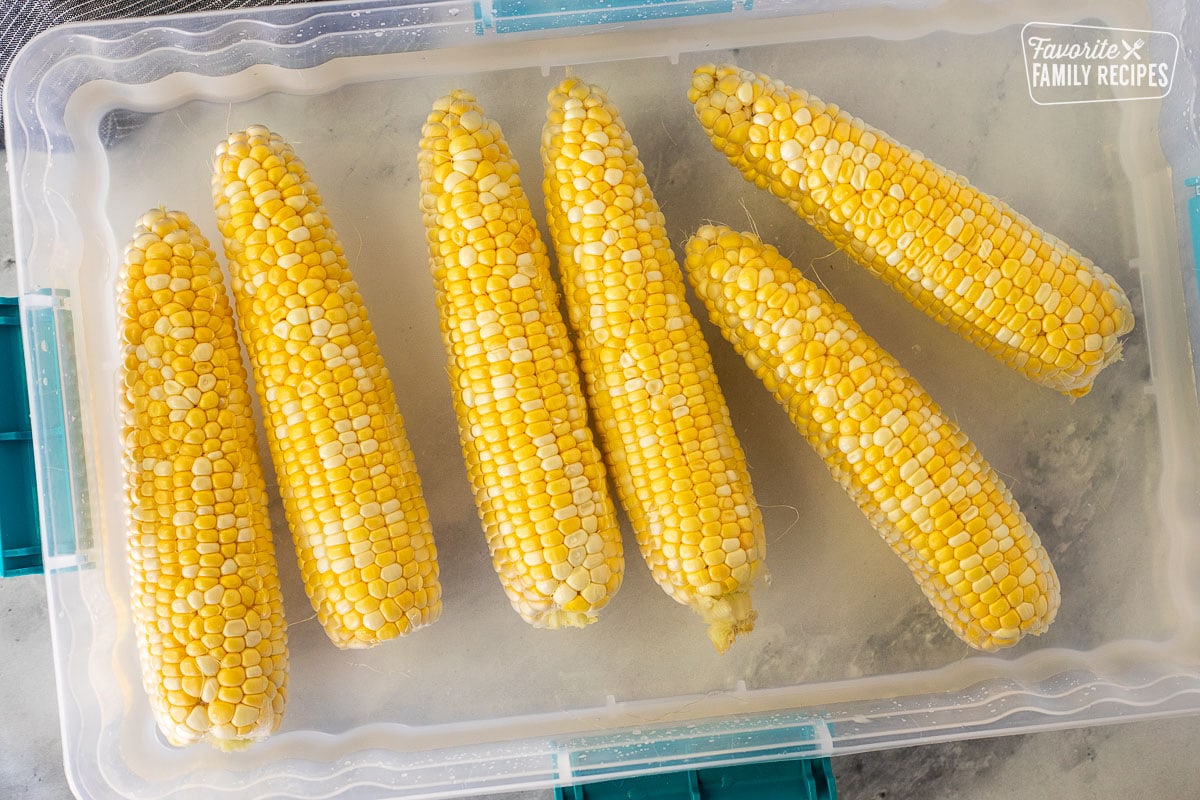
510	16
20	535
1194	221
67	539
793	779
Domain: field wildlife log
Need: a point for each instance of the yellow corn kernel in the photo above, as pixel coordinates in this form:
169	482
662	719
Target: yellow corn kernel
346	471
205	591
664	424
537	475
935	239
912	471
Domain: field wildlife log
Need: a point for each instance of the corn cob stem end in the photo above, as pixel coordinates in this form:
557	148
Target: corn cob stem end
727	618
345	643
230	745
559	619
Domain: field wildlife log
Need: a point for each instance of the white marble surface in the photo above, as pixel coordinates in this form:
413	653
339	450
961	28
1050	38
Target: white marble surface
1152	759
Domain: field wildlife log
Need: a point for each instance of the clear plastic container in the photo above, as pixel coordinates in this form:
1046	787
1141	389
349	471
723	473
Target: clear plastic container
108	119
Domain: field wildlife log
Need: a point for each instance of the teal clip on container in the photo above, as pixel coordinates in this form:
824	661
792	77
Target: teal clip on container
56	500
20	535
793	779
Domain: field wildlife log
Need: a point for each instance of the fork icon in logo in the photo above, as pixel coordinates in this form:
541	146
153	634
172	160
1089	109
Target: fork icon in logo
1134	49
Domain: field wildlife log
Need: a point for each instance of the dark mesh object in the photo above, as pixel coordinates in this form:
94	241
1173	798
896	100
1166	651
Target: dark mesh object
21	20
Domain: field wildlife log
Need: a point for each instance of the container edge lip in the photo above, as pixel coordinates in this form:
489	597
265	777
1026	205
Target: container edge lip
16	77
23	75
548	771
45	50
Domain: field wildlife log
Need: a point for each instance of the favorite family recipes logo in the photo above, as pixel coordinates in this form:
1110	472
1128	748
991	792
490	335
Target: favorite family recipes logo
1091	64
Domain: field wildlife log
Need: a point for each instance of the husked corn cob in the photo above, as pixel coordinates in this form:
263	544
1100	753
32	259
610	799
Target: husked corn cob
963	257
207	609
537	474
912	471
664	425
346	471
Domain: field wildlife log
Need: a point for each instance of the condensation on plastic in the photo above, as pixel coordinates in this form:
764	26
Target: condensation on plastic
25	19
847	656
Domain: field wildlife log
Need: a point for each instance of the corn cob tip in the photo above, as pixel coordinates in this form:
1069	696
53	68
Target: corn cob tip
702	79
238	139
706	77
458	102
704	236
566	86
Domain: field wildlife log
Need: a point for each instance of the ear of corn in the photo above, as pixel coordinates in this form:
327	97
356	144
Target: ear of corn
912	471
537	474
346	471
207	609
964	258
679	469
